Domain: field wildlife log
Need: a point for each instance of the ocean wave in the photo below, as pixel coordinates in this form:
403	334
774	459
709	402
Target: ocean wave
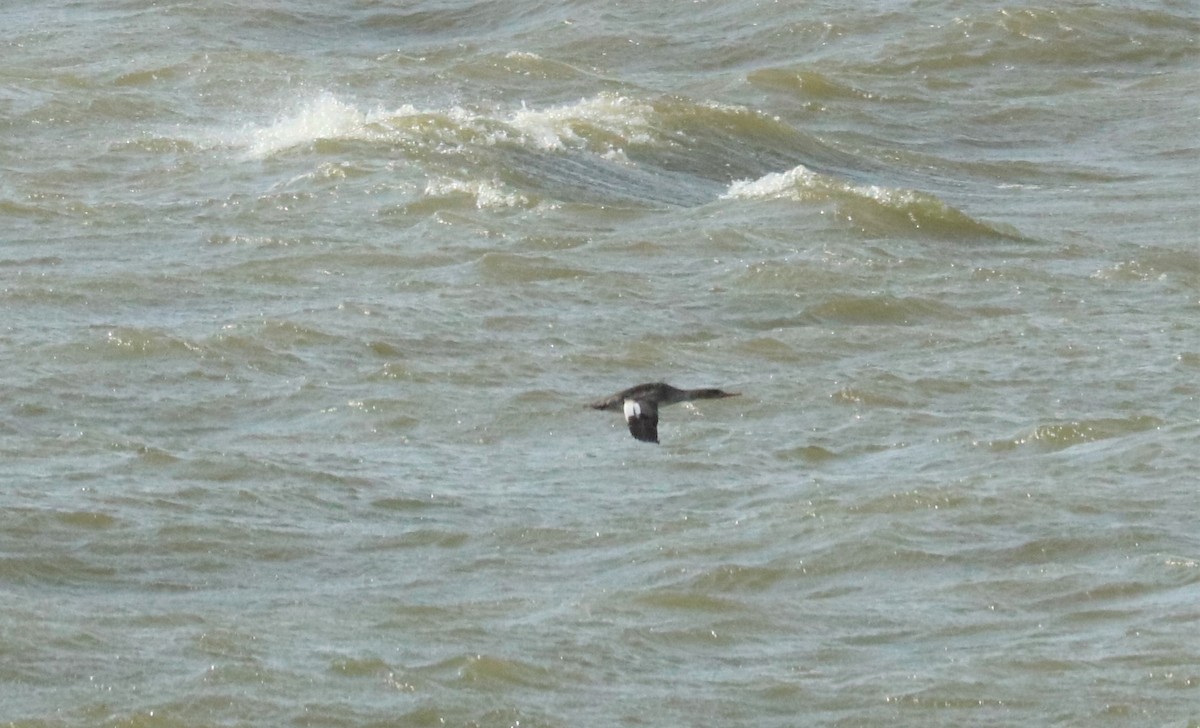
602	123
608	148
484	193
1086	35
874	209
325	117
605	122
1053	436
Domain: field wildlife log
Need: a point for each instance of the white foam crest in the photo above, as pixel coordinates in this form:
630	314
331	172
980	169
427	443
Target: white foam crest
555	127
324	117
487	193
907	207
801	183
773	186
606	122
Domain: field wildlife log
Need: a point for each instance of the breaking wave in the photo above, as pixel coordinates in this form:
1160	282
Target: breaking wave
874	209
609	148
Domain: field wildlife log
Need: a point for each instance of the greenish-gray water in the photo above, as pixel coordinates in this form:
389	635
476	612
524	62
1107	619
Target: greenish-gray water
303	304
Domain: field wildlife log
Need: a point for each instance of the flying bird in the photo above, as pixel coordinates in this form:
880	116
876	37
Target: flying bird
640	405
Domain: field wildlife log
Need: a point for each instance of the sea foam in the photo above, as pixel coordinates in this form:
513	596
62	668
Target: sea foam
325	117
875	209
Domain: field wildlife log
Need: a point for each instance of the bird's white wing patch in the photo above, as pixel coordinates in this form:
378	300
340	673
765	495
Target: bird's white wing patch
632	409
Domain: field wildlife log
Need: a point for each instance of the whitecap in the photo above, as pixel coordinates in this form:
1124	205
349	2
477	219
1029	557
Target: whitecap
558	127
325	117
487	194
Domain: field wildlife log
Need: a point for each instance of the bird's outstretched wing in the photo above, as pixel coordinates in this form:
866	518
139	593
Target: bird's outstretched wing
642	417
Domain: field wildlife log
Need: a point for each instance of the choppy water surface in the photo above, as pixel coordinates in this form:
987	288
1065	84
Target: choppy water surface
303	303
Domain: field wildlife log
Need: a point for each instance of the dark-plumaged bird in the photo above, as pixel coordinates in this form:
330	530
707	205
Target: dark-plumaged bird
640	405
